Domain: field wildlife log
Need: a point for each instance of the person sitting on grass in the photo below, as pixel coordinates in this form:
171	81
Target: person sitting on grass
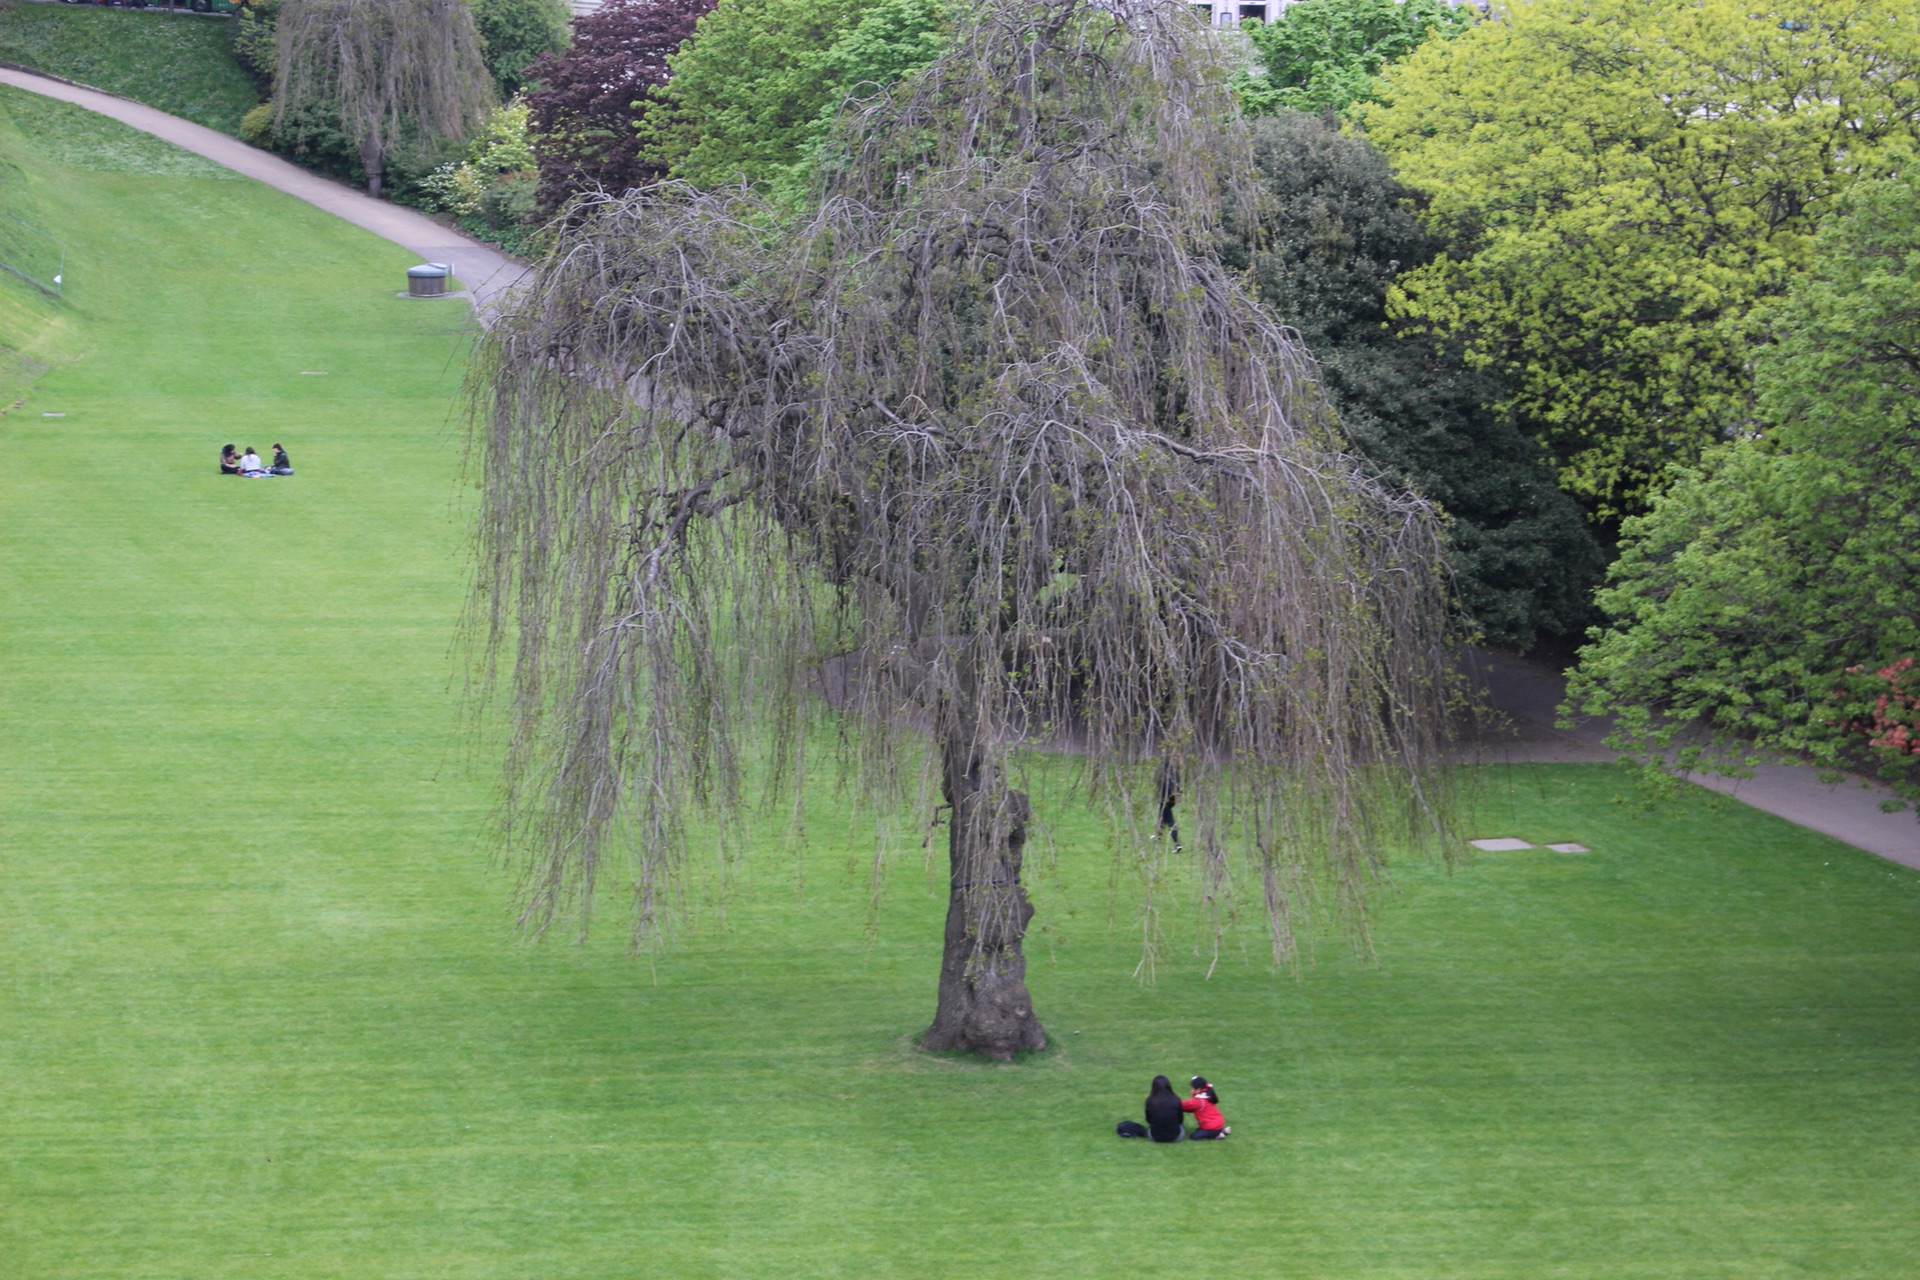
229	460
1166	1122
1166	1119
282	464
250	464
1205	1105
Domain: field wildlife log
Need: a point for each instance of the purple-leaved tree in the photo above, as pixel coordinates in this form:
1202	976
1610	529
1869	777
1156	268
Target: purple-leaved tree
590	99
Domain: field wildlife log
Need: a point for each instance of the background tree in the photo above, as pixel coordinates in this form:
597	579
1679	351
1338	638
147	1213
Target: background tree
395	73
758	87
1334	232
1625	181
590	101
1781	561
517	32
995	422
1325	55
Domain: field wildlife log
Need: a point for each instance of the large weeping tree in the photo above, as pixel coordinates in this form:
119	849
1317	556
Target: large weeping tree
396	72
990	422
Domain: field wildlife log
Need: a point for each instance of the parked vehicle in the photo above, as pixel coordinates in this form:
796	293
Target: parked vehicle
195	6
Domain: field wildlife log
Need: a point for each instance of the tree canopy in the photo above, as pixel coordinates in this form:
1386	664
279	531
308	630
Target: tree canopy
516	32
1768	596
1325	55
991	421
590	102
394	72
1334	232
758	87
1625	180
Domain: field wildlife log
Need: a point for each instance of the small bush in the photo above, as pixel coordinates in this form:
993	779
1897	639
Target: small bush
256	127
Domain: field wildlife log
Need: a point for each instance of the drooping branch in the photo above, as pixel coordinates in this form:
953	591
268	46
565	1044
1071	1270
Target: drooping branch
992	415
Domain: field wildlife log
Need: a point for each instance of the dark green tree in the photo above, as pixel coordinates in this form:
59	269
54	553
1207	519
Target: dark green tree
517	32
1335	232
1326	55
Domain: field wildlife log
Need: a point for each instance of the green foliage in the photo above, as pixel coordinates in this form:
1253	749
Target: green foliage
1325	55
254	43
1781	560
491	189
1625	180
312	135
517	32
256	127
1336	232
182	66
754	92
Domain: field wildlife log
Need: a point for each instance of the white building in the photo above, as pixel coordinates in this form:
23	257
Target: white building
1231	13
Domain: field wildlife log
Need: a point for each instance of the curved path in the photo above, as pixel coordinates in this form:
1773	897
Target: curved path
485	271
1526	692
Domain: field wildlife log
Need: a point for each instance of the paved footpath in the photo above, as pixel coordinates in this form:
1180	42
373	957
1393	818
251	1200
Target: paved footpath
1527	693
485	271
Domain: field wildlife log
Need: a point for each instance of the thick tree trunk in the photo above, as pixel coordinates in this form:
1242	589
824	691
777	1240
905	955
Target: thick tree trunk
983	1005
373	159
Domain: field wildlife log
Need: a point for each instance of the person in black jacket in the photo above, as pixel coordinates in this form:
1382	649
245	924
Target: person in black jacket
1165	1118
282	464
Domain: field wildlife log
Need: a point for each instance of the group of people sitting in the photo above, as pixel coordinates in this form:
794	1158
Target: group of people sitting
1167	1114
235	463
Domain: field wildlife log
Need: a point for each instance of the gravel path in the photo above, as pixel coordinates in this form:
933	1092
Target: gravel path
1527	693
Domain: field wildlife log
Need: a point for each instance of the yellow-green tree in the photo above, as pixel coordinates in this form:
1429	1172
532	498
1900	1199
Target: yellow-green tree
1625	180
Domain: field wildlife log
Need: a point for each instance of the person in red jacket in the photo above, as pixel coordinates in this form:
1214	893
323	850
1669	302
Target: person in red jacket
1205	1105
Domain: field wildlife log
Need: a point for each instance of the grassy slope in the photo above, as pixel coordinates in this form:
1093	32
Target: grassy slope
262	1016
180	63
32	325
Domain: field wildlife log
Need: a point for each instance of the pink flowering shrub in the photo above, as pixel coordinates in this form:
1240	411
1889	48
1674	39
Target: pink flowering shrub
1892	726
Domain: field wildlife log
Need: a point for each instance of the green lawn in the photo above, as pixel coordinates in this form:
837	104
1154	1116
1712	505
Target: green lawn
262	1014
181	63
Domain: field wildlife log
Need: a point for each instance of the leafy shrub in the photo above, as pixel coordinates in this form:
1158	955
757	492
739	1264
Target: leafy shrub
492	190
254	35
256	127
